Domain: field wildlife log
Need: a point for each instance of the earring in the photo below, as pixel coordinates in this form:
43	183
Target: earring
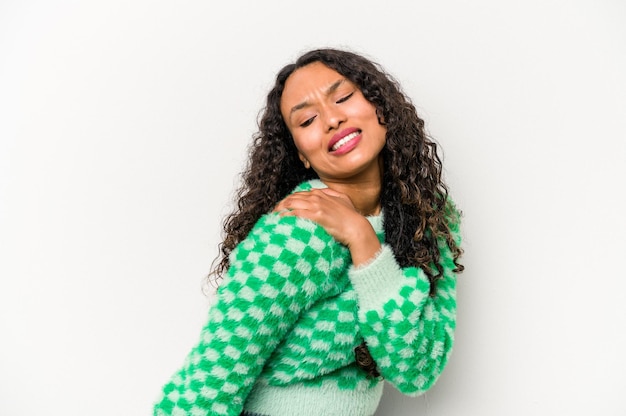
307	165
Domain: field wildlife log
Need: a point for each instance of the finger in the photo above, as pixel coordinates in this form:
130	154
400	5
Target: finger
332	192
294	202
288	198
300	213
339	197
336	194
303	198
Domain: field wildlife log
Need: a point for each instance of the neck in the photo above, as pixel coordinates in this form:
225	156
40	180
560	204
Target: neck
365	195
363	189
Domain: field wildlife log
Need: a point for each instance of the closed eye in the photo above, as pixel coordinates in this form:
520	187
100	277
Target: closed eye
307	122
345	98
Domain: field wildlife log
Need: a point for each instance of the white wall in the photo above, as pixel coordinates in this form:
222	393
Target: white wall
123	126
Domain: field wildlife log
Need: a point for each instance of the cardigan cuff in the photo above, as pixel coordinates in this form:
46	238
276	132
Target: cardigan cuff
378	280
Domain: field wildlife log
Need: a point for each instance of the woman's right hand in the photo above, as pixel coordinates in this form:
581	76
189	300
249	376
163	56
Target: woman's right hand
335	212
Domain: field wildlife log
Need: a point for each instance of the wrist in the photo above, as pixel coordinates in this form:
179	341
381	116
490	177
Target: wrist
363	244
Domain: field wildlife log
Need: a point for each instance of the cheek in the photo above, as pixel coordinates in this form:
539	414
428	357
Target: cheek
366	111
303	143
309	139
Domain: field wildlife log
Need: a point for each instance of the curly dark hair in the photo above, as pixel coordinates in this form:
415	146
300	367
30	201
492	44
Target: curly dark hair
414	197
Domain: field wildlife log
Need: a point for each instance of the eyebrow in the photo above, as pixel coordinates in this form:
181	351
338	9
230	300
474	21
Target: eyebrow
328	91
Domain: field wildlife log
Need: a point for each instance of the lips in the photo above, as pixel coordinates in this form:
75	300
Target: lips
342	138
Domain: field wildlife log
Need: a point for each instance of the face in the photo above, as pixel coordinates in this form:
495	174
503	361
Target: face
333	126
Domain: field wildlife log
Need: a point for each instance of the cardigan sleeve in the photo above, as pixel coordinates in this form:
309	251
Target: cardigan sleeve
408	332
282	267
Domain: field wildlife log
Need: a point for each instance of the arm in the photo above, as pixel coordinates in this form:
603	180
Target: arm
335	212
279	270
409	333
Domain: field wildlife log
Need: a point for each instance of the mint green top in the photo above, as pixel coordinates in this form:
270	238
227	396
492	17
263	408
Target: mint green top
280	339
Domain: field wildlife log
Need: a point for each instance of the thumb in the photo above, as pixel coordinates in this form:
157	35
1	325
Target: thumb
337	194
332	192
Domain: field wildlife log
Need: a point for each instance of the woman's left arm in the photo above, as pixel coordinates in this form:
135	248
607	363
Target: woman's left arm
409	332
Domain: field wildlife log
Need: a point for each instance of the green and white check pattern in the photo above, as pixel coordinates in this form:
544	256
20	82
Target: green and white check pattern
290	312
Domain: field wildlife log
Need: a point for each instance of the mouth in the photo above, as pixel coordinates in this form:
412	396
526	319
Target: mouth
340	142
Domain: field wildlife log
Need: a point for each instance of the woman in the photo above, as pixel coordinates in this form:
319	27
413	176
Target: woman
339	262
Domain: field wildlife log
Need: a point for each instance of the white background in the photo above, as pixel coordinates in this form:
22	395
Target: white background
124	126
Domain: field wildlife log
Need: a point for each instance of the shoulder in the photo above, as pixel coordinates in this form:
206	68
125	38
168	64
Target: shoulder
278	229
299	234
298	228
308	185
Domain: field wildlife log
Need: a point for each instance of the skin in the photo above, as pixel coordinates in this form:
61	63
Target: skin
317	103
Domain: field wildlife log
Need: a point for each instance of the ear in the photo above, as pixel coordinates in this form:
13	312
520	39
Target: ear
304	160
381	117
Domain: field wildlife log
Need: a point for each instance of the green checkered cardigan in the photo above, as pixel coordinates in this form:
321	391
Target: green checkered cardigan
280	339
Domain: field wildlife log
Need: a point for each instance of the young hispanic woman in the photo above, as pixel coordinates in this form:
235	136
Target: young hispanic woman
339	263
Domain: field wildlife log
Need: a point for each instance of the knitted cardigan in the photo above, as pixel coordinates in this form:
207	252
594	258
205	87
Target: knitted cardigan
280	339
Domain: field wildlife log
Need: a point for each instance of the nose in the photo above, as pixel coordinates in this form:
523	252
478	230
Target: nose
333	117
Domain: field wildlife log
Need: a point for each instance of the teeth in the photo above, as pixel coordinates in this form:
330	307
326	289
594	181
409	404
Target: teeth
344	140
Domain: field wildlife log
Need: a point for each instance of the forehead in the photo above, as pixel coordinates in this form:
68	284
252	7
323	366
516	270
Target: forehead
304	82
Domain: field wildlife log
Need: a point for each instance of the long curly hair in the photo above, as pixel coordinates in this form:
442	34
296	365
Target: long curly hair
414	197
